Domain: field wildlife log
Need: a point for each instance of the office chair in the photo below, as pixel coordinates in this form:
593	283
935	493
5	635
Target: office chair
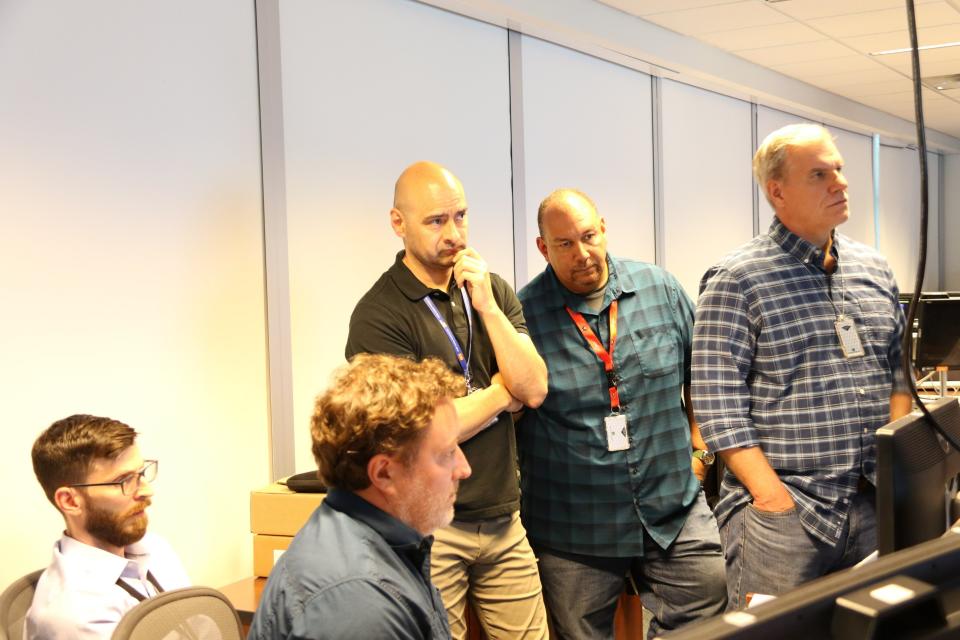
14	603
193	613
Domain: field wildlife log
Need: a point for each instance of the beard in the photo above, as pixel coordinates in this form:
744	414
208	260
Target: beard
426	511
119	530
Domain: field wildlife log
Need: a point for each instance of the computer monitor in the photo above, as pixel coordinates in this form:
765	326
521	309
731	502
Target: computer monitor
912	593
938	332
916	477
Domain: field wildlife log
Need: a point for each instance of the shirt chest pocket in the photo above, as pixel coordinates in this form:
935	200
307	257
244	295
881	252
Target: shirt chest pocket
657	353
878	317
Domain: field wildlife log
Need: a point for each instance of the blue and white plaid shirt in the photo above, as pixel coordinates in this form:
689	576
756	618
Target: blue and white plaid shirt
768	369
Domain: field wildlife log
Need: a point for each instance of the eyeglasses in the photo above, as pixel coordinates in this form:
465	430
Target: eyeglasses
130	483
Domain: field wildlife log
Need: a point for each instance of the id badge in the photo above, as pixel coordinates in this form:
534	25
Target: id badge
849	338
617	439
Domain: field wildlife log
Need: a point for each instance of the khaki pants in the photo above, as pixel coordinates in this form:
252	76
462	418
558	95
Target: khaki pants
490	563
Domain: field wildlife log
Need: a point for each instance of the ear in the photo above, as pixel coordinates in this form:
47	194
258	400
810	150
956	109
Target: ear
69	501
775	191
382	471
396	221
603	226
542	246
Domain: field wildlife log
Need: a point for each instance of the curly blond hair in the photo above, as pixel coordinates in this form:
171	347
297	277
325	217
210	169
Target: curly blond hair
376	404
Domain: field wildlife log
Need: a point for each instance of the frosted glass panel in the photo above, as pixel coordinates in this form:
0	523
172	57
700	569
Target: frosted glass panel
587	124
707	200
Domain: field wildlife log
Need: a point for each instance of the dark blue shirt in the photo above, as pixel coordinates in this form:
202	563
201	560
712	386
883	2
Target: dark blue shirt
353	571
576	495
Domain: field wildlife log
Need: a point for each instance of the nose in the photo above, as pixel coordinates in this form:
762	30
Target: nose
452	233
581	250
840	181
145	490
462	469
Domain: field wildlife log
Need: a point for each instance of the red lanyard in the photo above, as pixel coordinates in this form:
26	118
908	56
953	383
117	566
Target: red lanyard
597	347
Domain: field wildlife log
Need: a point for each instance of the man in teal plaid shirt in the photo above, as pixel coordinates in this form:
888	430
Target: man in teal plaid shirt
608	462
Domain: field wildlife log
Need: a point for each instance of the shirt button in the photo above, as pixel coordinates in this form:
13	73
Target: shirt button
861	392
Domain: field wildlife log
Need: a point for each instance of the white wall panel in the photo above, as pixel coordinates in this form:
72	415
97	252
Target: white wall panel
951	219
369	87
857	152
932	279
707	197
131	264
900	217
587	125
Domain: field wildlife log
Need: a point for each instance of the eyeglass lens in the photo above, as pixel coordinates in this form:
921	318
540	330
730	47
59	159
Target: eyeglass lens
132	482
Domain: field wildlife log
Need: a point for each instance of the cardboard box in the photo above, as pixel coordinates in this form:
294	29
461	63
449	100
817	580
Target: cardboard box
266	551
277	511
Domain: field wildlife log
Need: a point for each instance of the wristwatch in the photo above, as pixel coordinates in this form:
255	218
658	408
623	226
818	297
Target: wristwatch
704	456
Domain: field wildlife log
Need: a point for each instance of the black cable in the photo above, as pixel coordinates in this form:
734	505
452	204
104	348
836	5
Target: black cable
924	215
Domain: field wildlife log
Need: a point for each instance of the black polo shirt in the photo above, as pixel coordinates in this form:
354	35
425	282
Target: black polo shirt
392	318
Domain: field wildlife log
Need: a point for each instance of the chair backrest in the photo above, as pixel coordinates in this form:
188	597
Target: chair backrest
14	603
193	613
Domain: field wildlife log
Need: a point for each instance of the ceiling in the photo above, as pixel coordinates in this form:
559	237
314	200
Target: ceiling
826	43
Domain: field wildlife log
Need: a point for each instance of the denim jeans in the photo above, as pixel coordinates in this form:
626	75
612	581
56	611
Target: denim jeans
680	584
771	553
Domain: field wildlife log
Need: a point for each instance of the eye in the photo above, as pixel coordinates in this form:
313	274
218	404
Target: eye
436	222
128	481
460	216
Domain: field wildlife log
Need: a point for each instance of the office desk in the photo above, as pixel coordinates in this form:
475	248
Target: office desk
245	595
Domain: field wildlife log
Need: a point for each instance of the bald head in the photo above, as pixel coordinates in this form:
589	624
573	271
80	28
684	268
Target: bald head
562	200
573	240
422	185
430	214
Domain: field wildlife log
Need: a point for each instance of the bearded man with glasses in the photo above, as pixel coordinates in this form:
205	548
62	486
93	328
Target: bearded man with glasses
105	563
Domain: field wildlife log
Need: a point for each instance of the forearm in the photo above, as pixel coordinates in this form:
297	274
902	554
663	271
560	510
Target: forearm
477	409
696	440
524	371
901	404
751	467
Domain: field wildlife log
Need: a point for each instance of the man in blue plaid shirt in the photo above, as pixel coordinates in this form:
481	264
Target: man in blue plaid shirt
796	363
607	461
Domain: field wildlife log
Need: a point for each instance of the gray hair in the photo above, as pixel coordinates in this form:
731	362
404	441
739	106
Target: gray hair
769	162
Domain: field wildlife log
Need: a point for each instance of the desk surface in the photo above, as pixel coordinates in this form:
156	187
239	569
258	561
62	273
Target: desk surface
245	595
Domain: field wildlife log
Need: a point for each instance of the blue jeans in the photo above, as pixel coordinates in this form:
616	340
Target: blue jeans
771	552
680	584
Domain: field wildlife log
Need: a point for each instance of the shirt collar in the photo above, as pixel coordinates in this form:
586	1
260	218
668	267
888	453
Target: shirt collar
804	250
405	540
617	284
408	283
102	566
